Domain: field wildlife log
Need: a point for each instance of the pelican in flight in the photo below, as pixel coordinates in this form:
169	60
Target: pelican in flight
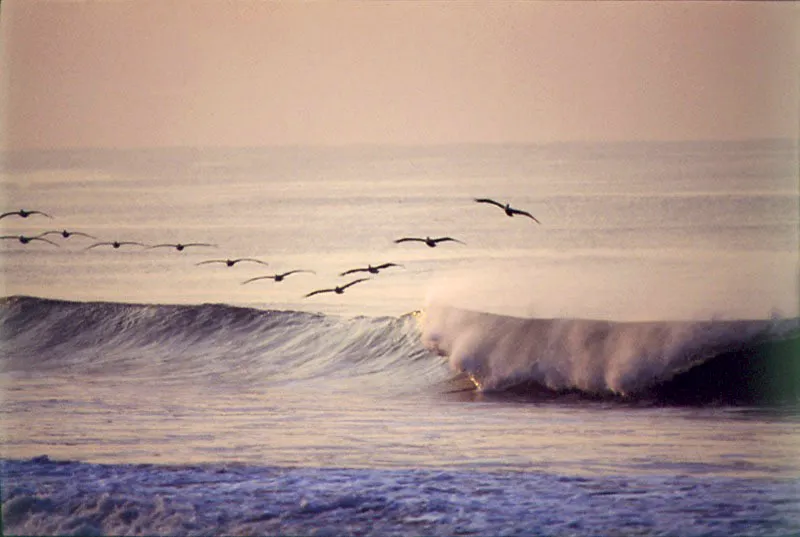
232	262
370	269
25	240
510	211
67	234
114	244
277	277
429	241
24	214
180	246
339	289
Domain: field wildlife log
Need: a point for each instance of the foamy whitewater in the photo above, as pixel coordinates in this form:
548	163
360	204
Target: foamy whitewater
631	366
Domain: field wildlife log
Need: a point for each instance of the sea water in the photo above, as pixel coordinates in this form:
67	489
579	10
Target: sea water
628	366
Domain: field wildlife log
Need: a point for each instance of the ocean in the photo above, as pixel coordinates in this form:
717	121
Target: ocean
626	364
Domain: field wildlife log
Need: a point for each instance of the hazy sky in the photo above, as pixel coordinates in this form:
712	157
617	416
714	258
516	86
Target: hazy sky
126	73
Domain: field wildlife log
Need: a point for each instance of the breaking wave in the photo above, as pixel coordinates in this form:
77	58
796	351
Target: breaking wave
741	361
695	362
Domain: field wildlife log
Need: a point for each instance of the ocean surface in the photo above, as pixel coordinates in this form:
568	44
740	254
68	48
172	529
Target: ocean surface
628	366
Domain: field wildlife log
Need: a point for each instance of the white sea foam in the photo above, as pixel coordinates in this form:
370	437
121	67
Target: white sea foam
594	356
67	498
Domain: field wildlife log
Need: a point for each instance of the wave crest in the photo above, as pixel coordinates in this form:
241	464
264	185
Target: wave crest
210	342
590	356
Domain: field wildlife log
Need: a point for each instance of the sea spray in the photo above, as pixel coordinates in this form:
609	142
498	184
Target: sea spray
592	356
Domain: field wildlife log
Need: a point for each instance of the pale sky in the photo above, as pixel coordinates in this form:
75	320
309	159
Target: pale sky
145	73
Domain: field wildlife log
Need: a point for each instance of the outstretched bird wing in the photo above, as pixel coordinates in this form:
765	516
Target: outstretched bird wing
258	278
199	244
318	291
345	286
446	239
39	212
387	265
161	246
353	271
295	272
525	213
212	261
406	239
251	260
45	240
487	200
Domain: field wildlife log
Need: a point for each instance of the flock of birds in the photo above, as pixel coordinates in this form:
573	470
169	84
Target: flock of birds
431	242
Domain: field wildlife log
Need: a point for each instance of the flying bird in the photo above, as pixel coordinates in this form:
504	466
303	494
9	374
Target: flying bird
25	240
277	277
24	214
370	269
180	246
509	210
67	234
114	244
429	241
232	262
339	289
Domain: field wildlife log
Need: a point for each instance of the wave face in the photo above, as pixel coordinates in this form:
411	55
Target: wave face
212	343
695	362
741	361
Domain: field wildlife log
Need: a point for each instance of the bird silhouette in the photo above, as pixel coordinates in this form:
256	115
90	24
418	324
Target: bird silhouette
232	262
277	277
25	240
180	247
339	289
114	244
509	210
370	269
67	234
24	214
429	241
